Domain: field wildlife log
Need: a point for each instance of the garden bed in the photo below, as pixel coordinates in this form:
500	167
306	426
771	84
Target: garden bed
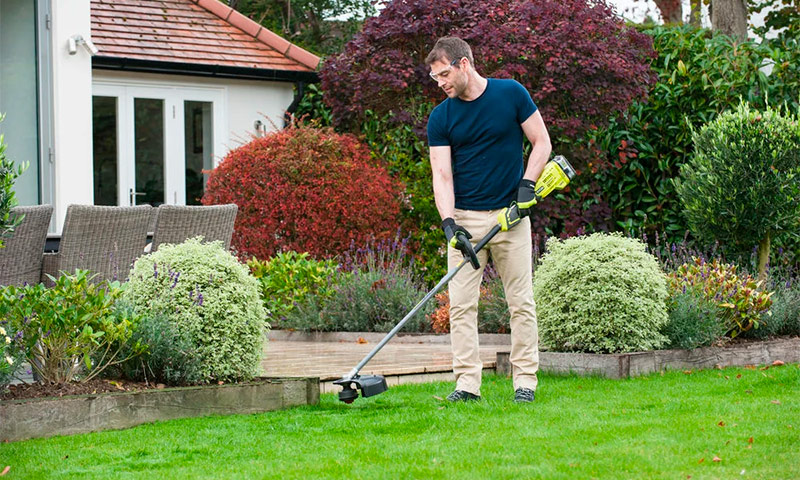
624	365
67	415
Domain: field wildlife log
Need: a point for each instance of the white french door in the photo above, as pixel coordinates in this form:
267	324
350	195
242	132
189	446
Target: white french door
153	143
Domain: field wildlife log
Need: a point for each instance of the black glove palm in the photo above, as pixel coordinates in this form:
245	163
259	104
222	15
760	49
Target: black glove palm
458	238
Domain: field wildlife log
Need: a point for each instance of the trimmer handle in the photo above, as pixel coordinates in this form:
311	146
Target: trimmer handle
469	251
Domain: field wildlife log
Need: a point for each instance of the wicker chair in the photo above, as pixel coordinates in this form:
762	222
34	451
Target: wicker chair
176	223
104	240
21	259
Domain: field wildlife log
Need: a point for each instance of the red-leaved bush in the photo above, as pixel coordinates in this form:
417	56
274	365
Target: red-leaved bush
578	60
305	189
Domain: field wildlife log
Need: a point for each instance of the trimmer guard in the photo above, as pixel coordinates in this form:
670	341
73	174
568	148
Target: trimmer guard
368	384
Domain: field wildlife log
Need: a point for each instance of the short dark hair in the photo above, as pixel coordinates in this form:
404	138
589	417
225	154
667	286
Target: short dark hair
449	49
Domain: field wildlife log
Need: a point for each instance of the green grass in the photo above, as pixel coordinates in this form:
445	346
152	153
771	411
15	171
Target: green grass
658	426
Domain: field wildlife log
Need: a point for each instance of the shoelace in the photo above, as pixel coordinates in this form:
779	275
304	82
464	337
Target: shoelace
524	395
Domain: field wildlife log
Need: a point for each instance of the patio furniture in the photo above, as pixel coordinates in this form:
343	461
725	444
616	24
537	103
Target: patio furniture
177	223
21	259
104	240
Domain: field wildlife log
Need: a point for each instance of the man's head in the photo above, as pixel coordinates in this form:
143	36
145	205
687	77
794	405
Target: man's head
450	61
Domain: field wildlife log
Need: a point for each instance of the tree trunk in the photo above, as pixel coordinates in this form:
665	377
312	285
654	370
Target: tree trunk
730	17
696	11
671	11
763	258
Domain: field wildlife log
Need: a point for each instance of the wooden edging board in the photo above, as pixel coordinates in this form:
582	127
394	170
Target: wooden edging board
623	365
45	417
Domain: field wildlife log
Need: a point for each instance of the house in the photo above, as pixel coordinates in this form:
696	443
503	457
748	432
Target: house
124	102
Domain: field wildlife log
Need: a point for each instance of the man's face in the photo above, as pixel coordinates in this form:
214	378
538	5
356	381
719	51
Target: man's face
450	76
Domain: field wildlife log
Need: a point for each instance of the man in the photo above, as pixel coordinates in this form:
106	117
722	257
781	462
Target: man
475	140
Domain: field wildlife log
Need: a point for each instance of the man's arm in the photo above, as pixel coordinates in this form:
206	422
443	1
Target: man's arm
537	134
443	191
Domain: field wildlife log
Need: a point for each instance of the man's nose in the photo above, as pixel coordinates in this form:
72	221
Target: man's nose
439	82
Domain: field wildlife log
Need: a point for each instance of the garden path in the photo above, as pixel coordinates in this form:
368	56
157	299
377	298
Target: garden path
398	362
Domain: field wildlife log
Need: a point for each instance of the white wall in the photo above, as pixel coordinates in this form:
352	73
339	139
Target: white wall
72	106
246	101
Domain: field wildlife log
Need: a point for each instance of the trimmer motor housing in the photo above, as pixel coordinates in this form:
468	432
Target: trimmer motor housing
368	384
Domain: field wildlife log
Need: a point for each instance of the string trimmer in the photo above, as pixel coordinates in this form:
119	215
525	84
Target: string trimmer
555	176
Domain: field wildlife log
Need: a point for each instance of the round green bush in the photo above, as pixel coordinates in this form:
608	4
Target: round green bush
207	293
602	293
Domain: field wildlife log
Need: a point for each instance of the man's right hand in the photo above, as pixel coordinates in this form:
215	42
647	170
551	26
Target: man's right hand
458	238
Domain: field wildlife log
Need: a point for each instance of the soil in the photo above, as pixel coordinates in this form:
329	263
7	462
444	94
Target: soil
92	387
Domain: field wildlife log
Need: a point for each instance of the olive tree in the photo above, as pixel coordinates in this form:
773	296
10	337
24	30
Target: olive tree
742	184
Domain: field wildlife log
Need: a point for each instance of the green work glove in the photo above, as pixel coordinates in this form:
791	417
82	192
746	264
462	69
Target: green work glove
526	197
458	238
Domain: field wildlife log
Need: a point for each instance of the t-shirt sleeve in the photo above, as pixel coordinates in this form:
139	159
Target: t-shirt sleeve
525	105
437	136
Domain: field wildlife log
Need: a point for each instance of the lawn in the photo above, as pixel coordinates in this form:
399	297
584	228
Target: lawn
731	423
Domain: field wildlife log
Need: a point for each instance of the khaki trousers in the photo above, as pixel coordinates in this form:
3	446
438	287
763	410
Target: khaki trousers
511	255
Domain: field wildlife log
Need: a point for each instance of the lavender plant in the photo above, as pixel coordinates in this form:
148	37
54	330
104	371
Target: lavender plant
374	290
168	356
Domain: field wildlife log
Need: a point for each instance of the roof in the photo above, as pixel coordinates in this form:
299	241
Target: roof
198	37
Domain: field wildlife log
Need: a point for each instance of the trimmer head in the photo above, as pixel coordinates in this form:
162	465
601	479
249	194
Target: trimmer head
368	384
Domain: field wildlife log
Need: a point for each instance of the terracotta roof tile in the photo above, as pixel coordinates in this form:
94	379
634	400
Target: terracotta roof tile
191	31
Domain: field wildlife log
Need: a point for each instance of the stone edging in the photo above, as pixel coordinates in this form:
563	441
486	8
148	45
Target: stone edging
45	417
373	337
623	365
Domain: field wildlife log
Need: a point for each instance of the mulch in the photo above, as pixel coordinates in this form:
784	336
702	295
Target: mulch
92	387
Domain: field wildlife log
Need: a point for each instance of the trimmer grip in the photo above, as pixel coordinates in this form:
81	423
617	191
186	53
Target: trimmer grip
469	252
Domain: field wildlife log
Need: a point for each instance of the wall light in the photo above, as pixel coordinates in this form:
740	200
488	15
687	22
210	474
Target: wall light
76	41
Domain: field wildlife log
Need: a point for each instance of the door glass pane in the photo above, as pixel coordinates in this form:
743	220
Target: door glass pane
198	128
148	124
18	93
104	148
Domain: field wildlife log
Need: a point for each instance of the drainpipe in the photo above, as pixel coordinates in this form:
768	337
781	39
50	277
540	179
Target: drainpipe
298	95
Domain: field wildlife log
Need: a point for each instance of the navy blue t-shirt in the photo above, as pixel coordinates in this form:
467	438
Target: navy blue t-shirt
485	140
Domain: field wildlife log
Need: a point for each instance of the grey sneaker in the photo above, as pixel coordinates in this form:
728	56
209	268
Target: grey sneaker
524	395
462	396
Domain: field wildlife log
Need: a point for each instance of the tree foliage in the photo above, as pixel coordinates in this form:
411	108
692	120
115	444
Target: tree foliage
8	174
578	60
700	74
322	26
742	183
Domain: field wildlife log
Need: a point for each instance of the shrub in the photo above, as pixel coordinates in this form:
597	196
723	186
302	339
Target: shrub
600	293
579	60
693	322
376	290
493	315
785	318
206	293
740	304
288	278
8	174
168	353
741	185
72	330
700	74
307	190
